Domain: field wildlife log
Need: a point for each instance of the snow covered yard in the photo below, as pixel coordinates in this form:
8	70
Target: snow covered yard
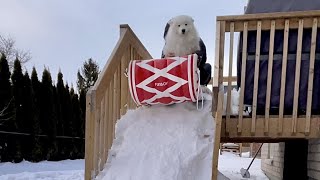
45	170
229	165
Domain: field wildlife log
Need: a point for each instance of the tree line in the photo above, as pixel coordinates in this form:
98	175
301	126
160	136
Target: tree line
40	120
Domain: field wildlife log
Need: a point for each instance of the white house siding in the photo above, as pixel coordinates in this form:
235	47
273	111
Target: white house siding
272	156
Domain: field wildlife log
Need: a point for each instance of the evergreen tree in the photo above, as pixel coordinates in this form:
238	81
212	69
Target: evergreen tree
68	122
47	115
28	108
61	104
61	118
18	89
7	113
82	101
88	75
56	155
76	121
80	81
37	154
82	104
72	115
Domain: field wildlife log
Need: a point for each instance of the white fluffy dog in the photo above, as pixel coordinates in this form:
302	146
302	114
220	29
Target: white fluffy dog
181	39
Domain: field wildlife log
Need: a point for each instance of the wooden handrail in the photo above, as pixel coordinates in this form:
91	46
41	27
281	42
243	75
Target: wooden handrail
127	37
266	16
108	99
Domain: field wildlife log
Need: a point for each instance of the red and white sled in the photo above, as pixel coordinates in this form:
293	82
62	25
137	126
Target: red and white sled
164	81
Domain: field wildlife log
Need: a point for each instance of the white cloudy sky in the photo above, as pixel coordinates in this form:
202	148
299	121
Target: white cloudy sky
64	33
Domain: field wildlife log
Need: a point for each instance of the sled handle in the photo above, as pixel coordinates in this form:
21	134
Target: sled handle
126	72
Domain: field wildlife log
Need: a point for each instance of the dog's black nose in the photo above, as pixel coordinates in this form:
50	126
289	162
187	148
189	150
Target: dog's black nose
183	31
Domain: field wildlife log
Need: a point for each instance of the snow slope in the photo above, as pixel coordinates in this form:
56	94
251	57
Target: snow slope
162	143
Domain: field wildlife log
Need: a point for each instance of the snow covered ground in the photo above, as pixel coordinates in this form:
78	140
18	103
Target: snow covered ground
229	165
45	170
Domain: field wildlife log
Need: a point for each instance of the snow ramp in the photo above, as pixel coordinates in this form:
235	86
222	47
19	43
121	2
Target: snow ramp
162	143
126	142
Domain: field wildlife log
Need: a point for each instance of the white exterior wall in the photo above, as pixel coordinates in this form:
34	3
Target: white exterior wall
272	156
314	159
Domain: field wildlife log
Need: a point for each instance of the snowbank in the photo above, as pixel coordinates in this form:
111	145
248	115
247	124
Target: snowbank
162	143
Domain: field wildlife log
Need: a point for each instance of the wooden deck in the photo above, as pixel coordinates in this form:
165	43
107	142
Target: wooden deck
262	128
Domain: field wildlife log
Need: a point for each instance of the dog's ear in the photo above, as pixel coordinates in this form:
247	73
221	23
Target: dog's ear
192	20
170	22
166	30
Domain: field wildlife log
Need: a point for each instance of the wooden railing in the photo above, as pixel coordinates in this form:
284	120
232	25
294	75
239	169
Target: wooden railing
108	99
271	22
262	127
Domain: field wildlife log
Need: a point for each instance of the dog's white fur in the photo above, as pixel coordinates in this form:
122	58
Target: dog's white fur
178	43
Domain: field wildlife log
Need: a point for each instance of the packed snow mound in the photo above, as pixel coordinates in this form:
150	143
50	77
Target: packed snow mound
162	143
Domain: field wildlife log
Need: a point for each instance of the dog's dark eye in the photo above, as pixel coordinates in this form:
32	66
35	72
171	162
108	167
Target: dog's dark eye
186	24
178	25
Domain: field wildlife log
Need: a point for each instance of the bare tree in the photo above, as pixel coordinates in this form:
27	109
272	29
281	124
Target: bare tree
7	47
4	115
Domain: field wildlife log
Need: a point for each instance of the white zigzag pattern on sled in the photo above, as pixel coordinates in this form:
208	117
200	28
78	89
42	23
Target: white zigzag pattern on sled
163	72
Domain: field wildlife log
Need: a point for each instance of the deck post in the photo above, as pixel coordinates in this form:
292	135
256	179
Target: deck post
218	92
89	135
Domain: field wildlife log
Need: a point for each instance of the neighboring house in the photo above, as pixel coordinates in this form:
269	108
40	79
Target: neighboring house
305	158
